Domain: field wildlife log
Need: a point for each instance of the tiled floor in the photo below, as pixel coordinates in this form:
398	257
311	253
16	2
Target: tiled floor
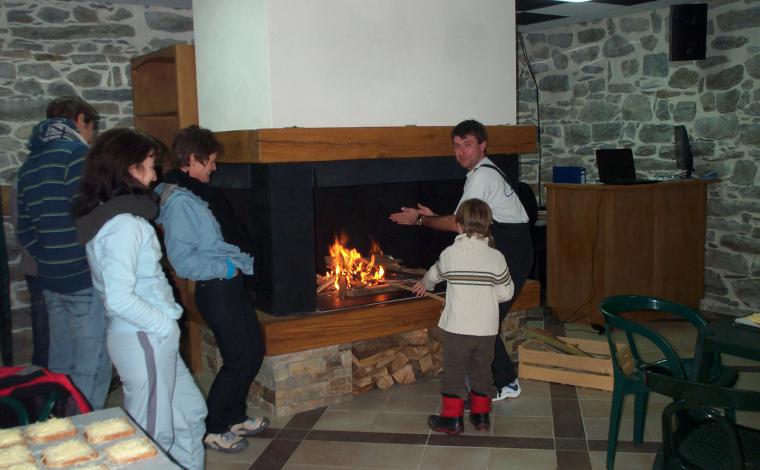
550	426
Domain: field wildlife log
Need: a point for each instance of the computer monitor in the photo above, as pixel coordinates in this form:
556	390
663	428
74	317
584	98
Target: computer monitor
684	157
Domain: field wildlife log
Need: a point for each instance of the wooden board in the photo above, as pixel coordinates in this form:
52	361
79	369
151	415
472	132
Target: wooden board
591	372
295	144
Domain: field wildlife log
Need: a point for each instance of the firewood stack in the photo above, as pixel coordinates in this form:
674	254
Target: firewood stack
403	358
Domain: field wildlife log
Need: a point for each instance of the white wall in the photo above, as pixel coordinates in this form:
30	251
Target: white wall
232	64
335	63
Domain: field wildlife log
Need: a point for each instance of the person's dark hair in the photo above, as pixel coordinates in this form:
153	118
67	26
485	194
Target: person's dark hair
474	216
470	127
70	107
106	168
194	140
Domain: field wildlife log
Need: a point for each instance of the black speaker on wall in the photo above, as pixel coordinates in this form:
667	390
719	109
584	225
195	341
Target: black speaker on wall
688	31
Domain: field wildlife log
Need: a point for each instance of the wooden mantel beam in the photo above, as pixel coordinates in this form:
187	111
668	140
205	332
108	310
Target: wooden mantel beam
296	144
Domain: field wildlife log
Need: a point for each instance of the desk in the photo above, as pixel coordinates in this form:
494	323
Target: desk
603	240
724	337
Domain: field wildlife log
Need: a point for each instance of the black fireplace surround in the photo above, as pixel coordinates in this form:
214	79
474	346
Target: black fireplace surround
294	210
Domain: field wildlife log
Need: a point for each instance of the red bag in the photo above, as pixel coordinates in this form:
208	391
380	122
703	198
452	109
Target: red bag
41	393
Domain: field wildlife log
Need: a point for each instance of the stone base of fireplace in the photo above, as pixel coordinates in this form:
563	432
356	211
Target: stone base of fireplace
299	381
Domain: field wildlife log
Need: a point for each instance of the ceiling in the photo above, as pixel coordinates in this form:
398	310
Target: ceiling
537	15
532	15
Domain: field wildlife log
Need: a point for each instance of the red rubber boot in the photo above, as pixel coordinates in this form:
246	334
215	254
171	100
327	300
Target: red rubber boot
451	419
480	409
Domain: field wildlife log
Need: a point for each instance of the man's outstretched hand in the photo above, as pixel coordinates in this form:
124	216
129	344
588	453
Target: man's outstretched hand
408	215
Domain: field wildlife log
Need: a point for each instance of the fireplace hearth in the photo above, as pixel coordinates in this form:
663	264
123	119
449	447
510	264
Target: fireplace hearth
295	210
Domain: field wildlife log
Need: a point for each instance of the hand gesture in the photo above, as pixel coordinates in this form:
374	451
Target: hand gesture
419	289
408	215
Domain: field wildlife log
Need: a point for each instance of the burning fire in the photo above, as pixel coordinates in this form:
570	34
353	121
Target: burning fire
350	268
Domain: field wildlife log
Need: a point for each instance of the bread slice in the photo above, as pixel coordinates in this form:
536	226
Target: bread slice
131	450
68	453
51	430
17	454
108	430
11	437
23	466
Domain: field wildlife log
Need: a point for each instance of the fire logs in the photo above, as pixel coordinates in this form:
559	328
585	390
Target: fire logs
403	358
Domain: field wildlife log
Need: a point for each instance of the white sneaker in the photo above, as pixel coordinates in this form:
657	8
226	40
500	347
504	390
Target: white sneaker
512	390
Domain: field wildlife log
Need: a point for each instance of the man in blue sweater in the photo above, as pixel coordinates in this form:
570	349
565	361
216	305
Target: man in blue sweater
47	183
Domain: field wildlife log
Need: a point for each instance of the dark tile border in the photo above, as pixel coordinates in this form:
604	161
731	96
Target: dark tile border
496	442
368	437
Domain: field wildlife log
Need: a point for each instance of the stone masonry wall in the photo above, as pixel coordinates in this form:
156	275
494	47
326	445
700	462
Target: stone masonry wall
54	48
609	83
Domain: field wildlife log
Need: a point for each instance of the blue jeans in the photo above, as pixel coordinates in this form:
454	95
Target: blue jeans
40	330
78	342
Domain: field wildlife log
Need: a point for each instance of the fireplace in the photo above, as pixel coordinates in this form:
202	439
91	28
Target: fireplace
295	209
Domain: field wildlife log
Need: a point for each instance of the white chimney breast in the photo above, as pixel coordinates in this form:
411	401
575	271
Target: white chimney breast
354	63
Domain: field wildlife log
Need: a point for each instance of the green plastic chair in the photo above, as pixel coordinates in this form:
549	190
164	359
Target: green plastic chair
632	382
18	408
695	434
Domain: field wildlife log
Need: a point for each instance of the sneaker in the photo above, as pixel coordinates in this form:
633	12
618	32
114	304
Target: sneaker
509	391
228	442
250	427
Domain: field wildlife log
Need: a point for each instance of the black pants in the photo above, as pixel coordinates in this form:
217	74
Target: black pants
514	242
229	312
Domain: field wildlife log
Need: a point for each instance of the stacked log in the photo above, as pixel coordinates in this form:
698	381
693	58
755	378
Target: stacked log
403	358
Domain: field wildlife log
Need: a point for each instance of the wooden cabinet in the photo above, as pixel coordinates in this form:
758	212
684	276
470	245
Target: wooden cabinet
164	91
606	240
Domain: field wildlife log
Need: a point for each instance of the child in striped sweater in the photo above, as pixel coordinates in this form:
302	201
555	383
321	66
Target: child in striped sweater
477	279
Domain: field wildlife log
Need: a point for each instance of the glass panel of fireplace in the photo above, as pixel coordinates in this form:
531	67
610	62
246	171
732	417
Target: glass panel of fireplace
294	211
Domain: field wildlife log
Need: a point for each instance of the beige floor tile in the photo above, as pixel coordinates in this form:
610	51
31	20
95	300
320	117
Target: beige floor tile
346	420
522	426
372	400
412	423
424	387
336	454
412	403
229	466
396	456
623	460
593	394
534	388
749	380
250	454
601	408
596	428
524	406
455	458
523	459
307	467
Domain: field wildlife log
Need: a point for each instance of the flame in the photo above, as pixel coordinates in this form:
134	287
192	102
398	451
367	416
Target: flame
348	266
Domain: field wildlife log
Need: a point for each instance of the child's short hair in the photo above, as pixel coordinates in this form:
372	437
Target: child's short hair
474	216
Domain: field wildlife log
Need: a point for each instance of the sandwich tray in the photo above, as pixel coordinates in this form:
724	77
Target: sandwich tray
158	462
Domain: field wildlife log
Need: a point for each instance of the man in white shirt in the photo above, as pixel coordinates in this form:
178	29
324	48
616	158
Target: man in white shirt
510	228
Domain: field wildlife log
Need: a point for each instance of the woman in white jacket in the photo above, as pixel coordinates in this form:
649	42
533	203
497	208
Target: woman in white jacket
113	209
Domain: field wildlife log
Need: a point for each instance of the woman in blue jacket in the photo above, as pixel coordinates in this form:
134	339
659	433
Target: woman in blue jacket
199	248
113	208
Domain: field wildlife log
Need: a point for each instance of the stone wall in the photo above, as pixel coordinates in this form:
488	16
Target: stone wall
609	83
53	48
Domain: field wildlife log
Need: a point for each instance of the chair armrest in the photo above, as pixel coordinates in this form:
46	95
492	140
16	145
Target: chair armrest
696	394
